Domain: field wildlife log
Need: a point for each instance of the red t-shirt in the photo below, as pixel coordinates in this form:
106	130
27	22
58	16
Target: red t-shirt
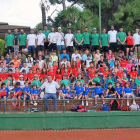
119	74
3	76
30	77
42	76
89	68
133	74
68	74
16	76
101	69
25	77
55	68
69	69
74	70
77	73
78	64
91	75
39	75
51	73
62	70
123	63
129	40
106	73
58	76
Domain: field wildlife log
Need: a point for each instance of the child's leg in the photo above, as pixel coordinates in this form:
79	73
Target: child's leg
19	100
96	96
137	90
132	95
33	97
127	96
102	97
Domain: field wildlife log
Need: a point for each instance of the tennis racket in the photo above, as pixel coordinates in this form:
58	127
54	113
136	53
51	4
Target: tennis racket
63	35
71	40
55	38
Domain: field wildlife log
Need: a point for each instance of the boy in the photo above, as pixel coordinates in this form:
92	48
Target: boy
65	81
111	93
137	81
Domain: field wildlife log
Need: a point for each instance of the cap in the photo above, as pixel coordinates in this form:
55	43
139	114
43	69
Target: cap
112	25
21	76
94	29
59	28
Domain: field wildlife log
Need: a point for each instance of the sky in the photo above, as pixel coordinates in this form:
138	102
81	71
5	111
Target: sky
23	12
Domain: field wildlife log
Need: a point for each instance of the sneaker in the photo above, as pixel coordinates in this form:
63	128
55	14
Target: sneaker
13	106
95	105
19	107
35	104
31	102
86	103
23	103
68	101
82	103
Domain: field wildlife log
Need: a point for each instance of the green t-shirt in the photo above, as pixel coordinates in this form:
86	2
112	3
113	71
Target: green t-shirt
110	81
79	38
137	81
94	39
86	37
104	39
65	82
46	32
38	83
9	38
22	39
96	79
7	81
81	80
121	36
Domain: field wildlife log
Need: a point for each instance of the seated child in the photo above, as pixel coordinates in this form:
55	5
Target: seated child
94	80
63	92
21	81
109	79
65	81
85	94
111	93
137	81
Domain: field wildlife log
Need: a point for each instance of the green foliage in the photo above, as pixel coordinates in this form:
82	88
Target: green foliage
2	47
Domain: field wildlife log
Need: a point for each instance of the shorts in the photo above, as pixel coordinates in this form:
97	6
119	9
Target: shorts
60	47
10	48
114	47
129	46
40	48
31	49
3	93
69	49
100	95
46	45
94	48
138	45
19	94
52	47
105	49
86	46
21	47
80	47
122	47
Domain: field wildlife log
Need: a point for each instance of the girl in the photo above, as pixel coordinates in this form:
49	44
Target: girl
3	92
66	73
129	65
85	94
78	62
73	70
49	63
111	93
97	57
21	81
63	93
29	62
62	68
41	62
80	78
123	80
58	76
133	74
110	55
34	94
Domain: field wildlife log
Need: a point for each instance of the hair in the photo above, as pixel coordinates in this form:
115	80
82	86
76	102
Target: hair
98	84
62	85
57	71
132	67
109	83
18	84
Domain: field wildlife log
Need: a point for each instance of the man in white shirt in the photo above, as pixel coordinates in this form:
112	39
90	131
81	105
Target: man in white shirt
60	41
41	38
74	55
52	38
113	40
50	91
31	42
69	37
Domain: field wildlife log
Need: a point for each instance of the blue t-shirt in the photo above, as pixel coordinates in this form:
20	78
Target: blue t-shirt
79	89
16	37
97	91
84	57
64	91
8	60
119	90
111	63
7	91
34	91
26	89
128	90
63	55
18	89
86	91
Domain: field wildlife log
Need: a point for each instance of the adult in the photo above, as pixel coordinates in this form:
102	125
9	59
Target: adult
69	41
46	32
130	44
41	38
16	48
94	37
50	87
121	38
22	41
104	42
136	41
9	42
78	38
31	43
60	40
113	40
86	37
52	38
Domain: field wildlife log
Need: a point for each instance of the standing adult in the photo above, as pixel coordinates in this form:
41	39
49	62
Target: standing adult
86	37
9	42
46	32
79	41
113	40
22	41
41	38
94	37
136	40
50	87
121	37
16	47
69	37
32	43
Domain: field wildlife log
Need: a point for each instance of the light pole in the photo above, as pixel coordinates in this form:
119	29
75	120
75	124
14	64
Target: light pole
100	24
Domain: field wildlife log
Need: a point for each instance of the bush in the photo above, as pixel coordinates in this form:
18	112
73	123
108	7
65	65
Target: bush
2	47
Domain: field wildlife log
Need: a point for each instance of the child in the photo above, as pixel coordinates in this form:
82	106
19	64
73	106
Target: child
78	61
79	90
54	56
64	61
49	63
109	80
137	81
111	93
94	80
26	92
58	76
85	94
65	81
63	92
98	92
36	81
21	81
34	94
133	74
87	62
129	93
8	81
16	95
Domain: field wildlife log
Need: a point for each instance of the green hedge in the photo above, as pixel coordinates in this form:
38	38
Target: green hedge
2	47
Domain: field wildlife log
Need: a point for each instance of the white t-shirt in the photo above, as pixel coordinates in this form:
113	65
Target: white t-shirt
64	62
76	55
60	36
97	56
26	69
88	63
53	37
40	39
31	39
69	39
113	36
136	37
41	63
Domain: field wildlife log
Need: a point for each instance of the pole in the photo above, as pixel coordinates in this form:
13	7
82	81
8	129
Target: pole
100	25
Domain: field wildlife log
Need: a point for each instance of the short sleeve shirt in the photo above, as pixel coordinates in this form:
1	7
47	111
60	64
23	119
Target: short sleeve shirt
46	32
121	36
9	38
79	38
104	39
86	37
94	39
22	39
